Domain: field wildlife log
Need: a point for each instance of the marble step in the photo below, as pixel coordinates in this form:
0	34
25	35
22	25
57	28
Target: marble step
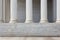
28	30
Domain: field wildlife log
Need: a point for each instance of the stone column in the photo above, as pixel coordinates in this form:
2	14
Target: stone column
43	11
29	11
13	11
1	11
54	10
4	2
58	11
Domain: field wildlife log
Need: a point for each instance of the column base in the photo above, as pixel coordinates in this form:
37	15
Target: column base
28	21
58	21
1	21
13	21
44	21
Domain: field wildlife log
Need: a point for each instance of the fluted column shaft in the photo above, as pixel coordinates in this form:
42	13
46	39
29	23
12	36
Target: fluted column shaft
58	11
13	11
43	11
1	11
29	11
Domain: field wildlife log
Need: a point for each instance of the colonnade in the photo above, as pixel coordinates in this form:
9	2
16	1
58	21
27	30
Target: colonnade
29	11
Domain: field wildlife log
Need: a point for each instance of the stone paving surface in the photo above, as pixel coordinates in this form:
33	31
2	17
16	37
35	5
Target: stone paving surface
29	38
33	29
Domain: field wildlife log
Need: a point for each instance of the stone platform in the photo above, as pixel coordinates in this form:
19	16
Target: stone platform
29	30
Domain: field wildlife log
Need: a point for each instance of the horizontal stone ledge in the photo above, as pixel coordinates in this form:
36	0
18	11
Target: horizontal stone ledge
30	30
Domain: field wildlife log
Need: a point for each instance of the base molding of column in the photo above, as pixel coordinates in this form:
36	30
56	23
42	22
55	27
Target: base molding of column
44	21
28	21
1	21
58	21
13	21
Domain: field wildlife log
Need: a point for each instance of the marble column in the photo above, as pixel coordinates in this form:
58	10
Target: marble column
13	11
1	11
58	11
29	11
43	11
54	10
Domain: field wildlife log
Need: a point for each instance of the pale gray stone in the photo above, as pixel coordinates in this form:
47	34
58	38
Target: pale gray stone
33	29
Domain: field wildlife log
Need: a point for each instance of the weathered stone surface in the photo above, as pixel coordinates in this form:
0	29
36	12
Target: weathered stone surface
33	29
